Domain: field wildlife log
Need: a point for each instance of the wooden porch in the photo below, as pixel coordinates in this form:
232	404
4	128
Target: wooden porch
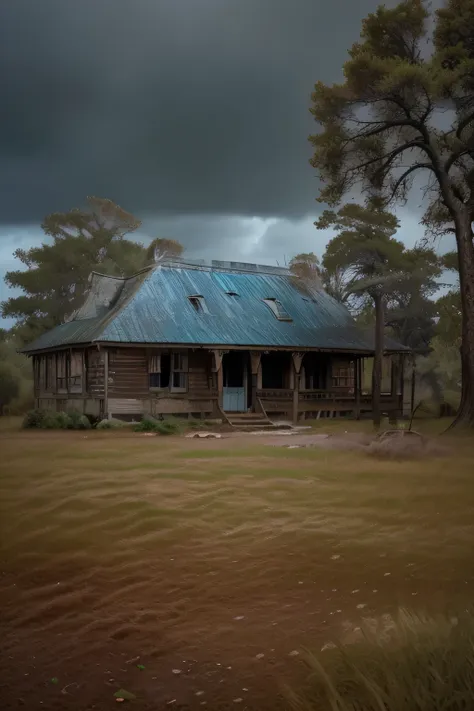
130	382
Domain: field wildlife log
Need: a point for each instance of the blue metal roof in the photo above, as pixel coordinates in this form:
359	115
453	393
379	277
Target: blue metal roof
155	308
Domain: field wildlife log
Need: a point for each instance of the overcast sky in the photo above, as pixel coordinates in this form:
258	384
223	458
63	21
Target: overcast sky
193	114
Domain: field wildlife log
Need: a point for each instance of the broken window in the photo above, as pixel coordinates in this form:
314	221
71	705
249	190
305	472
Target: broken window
159	367
278	309
198	303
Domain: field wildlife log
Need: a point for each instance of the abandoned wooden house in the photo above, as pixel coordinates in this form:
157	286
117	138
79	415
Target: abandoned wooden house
225	340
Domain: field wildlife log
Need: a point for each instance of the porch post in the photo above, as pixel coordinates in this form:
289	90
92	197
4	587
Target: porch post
357	385
401	401
217	368
395	378
255	358
297	361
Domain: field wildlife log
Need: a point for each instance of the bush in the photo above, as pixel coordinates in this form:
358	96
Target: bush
111	424
34	418
50	420
147	424
168	427
416	664
56	421
78	421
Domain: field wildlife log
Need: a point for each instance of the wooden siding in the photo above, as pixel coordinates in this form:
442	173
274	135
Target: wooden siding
199	375
95	373
128	373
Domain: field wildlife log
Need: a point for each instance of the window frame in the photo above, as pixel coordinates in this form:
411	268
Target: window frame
154	361
182	370
277	309
198	303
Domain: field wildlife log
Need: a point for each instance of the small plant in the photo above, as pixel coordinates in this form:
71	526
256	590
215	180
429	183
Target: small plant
193	424
168	427
111	424
147	424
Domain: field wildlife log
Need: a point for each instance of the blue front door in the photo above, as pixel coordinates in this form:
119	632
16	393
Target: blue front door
234	399
234	387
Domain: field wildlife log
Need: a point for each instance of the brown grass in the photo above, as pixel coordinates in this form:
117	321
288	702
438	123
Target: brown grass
116	546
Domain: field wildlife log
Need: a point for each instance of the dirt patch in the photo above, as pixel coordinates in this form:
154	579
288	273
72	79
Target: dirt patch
132	563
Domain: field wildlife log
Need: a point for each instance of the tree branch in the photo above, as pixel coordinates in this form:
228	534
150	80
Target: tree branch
456	156
406	174
462	124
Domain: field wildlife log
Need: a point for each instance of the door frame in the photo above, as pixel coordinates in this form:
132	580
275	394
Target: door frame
245	378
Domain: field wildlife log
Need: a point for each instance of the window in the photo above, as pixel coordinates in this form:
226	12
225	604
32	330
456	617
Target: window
198	303
180	372
342	375
167	371
69	371
49	373
278	309
159	367
75	372
61	372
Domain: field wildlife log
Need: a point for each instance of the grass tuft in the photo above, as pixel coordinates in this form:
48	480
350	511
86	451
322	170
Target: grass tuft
413	663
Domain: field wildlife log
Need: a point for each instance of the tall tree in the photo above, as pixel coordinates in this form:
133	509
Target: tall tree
163	248
380	127
411	311
372	261
306	266
56	276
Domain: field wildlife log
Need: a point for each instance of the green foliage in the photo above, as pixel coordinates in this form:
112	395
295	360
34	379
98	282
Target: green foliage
9	386
50	420
306	266
449	327
56	278
364	257
77	421
412	663
162	248
168	426
16	387
111	424
147	424
387	75
57	275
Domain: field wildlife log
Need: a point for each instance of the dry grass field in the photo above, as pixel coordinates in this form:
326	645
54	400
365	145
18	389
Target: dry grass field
193	573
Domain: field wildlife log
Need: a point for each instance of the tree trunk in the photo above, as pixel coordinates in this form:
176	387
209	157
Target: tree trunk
465	415
378	357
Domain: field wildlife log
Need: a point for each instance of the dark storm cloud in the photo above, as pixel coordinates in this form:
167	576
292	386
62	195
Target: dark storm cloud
165	106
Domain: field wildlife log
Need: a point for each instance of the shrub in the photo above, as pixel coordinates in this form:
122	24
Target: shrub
168	427
77	421
147	424
51	420
418	664
111	424
56	421
34	418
